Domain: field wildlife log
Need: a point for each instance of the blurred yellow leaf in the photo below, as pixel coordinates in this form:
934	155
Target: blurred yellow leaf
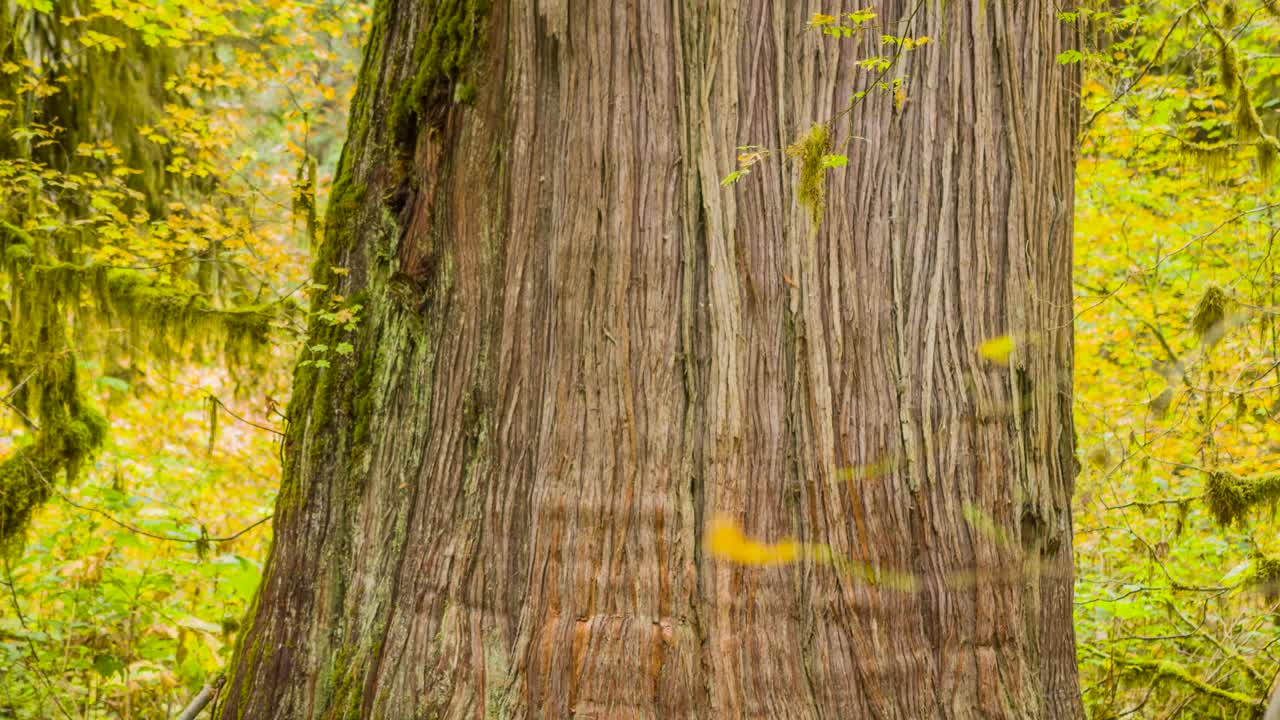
725	541
997	349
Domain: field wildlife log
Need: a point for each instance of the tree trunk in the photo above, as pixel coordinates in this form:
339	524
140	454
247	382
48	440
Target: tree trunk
574	347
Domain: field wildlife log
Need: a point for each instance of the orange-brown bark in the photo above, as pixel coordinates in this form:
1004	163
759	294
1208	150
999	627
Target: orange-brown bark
577	346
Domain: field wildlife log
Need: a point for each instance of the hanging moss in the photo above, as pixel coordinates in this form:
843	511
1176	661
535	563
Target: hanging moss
811	192
16	246
1247	122
1213	157
1268	149
103	97
26	479
1209	315
15	254
162	316
1229	70
69	433
1230	497
1230	14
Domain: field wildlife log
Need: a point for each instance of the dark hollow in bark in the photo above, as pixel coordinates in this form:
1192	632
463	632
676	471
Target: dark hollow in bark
575	346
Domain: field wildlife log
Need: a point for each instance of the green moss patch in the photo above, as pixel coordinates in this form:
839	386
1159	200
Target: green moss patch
442	55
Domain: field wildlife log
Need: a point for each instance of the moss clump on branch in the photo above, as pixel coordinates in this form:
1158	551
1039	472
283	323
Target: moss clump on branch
1210	313
1266	576
809	151
21	490
1213	157
1230	497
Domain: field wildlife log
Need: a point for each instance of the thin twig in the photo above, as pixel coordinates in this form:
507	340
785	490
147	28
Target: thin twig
154	536
1155	56
227	410
31	646
202	698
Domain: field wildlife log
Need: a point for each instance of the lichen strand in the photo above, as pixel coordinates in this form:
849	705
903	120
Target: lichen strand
809	150
442	53
1230	497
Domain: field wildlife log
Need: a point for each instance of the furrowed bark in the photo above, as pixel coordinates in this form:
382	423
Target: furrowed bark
576	346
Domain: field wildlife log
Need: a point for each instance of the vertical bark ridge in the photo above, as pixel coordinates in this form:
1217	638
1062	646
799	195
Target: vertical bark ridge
577	345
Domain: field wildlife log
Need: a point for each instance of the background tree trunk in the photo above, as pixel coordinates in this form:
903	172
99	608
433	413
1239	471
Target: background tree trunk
575	346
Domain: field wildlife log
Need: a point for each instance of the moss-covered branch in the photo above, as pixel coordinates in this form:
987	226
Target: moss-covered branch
1231	497
1165	670
160	312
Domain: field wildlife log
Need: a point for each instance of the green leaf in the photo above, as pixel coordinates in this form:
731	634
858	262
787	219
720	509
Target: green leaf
107	665
113	383
1069	57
